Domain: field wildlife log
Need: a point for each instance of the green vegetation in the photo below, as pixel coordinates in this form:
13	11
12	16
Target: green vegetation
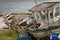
8	34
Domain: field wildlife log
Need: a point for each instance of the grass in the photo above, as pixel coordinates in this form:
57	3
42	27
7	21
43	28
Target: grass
8	34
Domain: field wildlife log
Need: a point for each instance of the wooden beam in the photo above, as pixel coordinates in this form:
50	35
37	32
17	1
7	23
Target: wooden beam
54	11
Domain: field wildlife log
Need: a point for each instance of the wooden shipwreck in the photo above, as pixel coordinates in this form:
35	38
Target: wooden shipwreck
48	15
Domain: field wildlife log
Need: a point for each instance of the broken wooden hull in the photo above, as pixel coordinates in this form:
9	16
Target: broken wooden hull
44	32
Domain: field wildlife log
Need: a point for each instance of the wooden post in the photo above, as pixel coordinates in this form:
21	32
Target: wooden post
54	11
41	21
41	17
38	16
44	13
48	16
59	9
35	15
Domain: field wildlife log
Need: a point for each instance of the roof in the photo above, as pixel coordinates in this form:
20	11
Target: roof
42	6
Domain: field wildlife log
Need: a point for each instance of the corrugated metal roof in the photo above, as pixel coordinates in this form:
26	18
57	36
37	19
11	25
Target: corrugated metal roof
43	5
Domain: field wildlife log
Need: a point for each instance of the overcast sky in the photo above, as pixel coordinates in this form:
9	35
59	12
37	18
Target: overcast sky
18	5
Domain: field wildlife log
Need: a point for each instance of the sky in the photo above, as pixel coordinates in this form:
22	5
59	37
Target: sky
19	5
